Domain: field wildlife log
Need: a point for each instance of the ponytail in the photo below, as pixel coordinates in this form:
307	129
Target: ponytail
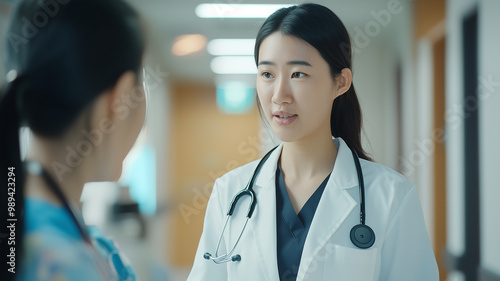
12	177
346	121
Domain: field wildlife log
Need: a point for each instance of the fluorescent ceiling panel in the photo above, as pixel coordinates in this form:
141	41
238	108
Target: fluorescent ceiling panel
214	10
231	47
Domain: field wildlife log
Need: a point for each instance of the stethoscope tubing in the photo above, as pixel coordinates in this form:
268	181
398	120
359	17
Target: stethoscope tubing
248	191
361	184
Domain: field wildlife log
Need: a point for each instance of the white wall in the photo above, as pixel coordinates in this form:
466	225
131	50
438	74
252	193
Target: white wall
454	125
374	82
374	69
420	158
158	122
405	48
489	133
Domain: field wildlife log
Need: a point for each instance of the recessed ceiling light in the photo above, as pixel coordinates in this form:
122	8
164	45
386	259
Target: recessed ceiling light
188	44
233	65
231	47
207	10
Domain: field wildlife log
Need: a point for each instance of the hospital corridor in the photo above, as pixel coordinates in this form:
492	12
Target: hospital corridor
221	83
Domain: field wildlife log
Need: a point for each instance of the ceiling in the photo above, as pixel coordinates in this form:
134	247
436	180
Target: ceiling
168	19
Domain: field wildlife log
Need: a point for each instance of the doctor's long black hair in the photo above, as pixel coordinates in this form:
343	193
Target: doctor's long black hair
65	53
322	29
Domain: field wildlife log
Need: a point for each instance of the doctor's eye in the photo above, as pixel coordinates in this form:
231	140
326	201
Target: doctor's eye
267	75
298	75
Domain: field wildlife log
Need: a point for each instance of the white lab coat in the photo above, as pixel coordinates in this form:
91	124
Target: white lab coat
402	249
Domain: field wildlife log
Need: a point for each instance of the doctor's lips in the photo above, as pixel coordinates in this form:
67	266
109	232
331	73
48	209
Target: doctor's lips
284	118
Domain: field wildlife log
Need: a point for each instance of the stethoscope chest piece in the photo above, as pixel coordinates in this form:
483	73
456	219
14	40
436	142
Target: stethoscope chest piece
362	236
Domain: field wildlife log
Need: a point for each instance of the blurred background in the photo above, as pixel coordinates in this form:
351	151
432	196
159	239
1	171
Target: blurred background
428	79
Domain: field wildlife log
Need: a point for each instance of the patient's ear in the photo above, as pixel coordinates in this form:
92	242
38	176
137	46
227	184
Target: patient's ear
120	92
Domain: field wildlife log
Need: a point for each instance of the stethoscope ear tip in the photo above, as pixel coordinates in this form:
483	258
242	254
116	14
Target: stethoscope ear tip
207	256
236	258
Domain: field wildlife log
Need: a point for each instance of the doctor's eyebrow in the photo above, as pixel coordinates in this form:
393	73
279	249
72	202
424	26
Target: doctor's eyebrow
293	62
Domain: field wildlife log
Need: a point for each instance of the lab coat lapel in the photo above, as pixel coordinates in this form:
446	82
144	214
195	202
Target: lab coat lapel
333	208
264	217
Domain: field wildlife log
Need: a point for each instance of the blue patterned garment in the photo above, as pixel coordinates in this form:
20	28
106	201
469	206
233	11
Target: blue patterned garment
55	250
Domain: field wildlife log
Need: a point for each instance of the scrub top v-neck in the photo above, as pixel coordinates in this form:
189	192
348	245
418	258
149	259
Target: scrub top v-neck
292	228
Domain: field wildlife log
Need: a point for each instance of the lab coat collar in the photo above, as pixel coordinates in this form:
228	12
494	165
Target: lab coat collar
263	222
343	174
344	171
268	171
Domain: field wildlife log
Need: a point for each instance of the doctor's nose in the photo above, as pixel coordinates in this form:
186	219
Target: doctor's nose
282	93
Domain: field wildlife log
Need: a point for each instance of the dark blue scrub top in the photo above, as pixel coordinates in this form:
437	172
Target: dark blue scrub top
292	228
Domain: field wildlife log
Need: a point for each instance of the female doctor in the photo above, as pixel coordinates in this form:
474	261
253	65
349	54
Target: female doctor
306	221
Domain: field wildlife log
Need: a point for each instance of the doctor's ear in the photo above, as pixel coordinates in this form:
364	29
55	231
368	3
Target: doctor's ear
344	81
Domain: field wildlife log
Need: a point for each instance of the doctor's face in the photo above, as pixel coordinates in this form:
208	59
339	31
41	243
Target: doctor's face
295	88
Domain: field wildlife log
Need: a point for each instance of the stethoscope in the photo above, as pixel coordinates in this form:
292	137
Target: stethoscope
362	236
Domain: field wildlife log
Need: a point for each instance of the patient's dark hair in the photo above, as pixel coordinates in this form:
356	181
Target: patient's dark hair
65	53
